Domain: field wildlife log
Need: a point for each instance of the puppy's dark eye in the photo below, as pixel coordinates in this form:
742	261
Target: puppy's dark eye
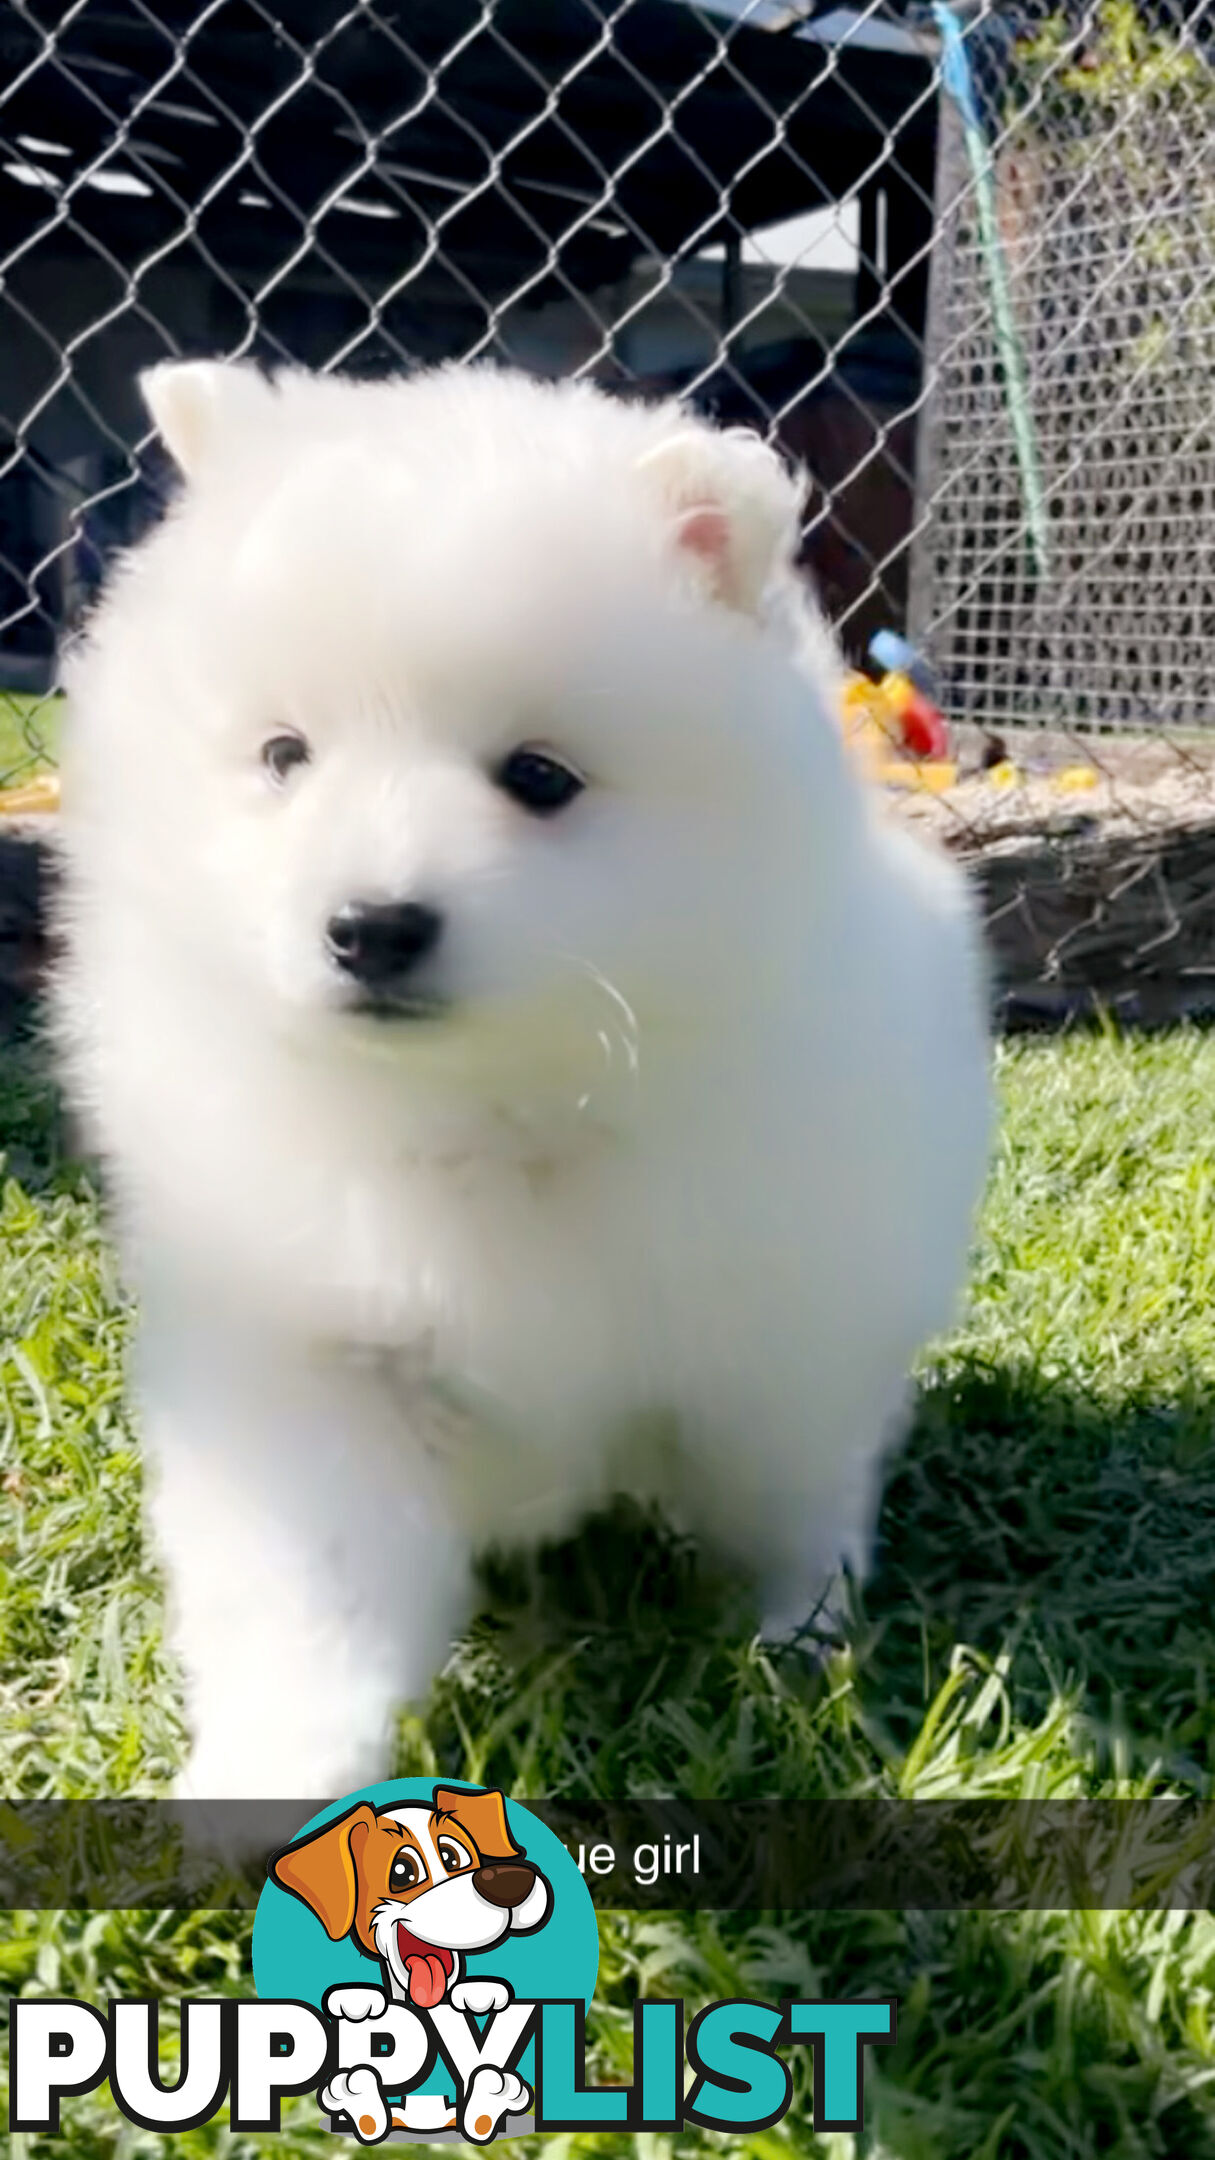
282	753
453	1856
406	1871
538	781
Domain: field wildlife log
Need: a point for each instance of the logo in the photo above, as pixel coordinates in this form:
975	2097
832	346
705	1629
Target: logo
426	1920
424	1954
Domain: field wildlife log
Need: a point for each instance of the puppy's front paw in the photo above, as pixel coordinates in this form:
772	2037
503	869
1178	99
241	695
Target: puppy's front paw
480	1996
359	2094
492	2094
355	2003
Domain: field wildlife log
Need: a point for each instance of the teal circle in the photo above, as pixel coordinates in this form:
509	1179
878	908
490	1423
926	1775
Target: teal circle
293	1958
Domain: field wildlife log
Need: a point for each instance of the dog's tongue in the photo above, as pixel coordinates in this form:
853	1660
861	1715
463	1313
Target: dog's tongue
426	1978
428	1968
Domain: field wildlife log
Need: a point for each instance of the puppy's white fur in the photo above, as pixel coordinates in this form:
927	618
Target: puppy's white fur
698	1132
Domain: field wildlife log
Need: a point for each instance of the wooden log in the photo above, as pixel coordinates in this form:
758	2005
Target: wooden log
1120	921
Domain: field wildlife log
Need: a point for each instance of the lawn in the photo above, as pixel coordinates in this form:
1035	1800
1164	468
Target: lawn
29	733
1039	1621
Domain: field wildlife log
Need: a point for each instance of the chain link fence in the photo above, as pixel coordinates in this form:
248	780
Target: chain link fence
957	260
1069	448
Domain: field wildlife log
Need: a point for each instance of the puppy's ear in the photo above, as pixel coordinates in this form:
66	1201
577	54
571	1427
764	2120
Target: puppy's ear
483	1815
322	1871
731	505
194	402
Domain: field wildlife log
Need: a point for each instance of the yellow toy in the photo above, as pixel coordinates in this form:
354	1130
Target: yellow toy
933	775
1069	780
887	720
899	732
30	797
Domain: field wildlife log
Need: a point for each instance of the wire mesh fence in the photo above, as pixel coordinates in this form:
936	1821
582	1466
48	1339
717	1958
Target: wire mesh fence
957	261
1069	460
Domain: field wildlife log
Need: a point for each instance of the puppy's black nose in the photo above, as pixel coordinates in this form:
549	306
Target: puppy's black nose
376	945
505	1882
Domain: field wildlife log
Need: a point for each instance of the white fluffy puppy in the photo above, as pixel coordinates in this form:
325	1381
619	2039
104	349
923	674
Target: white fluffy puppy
507	1022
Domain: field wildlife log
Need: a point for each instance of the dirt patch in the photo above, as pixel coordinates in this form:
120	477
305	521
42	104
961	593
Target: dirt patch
1142	785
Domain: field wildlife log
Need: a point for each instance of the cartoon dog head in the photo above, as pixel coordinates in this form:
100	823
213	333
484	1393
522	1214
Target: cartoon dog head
419	1887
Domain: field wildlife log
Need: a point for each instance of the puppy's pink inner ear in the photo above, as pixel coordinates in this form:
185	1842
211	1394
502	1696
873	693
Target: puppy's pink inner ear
704	531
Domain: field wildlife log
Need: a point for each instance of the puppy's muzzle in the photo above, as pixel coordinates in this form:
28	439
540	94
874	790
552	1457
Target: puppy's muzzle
378	945
504	1882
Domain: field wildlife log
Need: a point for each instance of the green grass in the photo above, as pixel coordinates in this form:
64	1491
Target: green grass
29	733
1039	1621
